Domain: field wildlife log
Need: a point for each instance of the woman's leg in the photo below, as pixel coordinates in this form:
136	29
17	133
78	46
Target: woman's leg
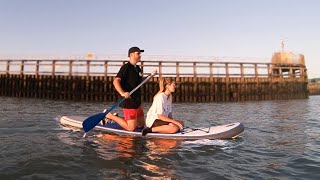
168	129
164	127
161	127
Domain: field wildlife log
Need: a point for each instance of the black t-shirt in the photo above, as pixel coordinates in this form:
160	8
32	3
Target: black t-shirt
131	77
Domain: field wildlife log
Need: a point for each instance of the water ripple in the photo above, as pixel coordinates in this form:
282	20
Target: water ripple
280	141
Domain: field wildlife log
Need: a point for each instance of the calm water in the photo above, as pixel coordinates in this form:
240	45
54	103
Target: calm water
281	141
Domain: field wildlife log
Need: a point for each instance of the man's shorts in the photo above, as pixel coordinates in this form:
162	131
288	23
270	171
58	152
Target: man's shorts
130	114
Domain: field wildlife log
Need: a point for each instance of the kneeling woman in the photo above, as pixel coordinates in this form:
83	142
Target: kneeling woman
159	117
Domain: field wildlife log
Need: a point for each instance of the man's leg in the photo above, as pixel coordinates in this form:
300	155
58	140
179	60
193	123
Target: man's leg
122	122
133	118
140	117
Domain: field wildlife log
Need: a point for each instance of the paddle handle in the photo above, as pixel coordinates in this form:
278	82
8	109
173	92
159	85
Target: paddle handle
154	72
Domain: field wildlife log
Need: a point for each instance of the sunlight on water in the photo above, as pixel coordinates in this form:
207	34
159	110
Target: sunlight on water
202	142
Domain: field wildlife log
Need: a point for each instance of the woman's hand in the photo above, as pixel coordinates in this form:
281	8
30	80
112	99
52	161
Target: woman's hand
179	124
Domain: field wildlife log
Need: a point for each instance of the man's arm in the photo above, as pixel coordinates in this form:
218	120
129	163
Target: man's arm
117	85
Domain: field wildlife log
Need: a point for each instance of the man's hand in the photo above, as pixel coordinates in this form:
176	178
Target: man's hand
126	95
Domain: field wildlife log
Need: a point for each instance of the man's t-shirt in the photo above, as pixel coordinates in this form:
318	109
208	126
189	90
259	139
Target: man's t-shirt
131	77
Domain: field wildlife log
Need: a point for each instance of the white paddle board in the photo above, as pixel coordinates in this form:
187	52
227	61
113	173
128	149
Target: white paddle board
226	131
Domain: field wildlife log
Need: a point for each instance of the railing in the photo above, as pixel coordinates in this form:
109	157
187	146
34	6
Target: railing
165	68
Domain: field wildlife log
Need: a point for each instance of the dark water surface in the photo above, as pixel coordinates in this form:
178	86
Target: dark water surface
281	141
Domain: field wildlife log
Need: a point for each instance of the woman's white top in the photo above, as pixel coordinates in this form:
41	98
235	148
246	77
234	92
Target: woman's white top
162	104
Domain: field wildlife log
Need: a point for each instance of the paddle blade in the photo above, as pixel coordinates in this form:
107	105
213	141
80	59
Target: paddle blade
92	121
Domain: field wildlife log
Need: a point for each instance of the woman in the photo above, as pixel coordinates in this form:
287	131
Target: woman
159	117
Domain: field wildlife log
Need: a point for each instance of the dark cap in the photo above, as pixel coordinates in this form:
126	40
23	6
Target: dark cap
134	49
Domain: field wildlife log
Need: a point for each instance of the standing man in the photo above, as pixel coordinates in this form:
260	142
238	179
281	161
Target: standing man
129	77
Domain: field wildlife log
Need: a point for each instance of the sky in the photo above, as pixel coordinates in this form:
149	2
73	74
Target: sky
217	28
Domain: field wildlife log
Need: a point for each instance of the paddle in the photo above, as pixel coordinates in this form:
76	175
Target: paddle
92	121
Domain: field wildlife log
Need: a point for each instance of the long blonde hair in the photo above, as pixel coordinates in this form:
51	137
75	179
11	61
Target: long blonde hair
163	82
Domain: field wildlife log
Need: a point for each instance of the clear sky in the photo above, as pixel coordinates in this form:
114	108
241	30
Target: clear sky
232	28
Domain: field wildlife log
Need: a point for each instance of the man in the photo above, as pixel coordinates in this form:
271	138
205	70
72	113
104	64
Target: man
129	77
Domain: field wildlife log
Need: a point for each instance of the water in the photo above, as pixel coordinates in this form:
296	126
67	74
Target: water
281	141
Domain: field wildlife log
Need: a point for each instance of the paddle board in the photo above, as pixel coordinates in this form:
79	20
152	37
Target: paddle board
226	131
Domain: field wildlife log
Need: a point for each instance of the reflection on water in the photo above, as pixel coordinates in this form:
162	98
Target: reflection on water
122	146
114	147
160	147
155	158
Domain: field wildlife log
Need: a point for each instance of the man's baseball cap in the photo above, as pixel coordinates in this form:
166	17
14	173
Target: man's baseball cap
134	49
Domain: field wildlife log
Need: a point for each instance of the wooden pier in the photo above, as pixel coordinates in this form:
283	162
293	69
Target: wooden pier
201	81
314	88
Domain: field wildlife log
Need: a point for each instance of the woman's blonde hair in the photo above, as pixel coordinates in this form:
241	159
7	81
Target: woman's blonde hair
163	82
